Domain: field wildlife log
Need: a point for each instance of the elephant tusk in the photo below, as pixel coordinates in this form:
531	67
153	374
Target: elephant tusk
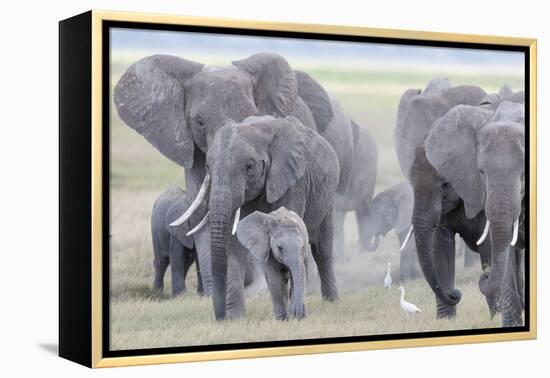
236	221
200	225
515	233
406	239
196	203
485	233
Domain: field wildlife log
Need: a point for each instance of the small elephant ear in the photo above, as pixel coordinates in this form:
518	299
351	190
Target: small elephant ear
150	98
252	232
178	207
316	98
451	148
275	86
288	157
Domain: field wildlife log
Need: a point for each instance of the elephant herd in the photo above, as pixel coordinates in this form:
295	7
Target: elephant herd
273	163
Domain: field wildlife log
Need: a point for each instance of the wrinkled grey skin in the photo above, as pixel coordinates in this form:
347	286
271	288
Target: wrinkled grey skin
392	209
262	164
360	191
456	185
170	248
419	109
179	105
279	242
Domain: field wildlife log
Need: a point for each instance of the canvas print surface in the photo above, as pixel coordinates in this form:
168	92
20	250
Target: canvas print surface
267	189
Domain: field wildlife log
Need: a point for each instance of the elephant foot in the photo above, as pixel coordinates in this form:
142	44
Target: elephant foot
330	297
178	291
299	314
512	321
446	312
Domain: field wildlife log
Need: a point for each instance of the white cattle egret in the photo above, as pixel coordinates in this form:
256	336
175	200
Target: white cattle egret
407	307
387	279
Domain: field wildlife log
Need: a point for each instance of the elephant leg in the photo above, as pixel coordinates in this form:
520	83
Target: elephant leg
236	266
161	264
278	288
177	265
338	242
510	301
361	216
444	258
189	258
200	288
204	258
321	250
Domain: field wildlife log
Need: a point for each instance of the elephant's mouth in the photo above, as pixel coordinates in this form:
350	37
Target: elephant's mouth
201	196
515	231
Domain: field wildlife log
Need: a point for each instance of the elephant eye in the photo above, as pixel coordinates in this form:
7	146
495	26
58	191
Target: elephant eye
280	249
200	121
249	166
445	186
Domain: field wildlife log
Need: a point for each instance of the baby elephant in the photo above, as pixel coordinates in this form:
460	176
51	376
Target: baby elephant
279	241
390	210
168	248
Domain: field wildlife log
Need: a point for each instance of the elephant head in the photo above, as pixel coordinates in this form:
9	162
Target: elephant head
419	109
282	236
178	105
493	100
474	157
390	209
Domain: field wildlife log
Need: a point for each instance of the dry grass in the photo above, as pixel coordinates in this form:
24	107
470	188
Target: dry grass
141	319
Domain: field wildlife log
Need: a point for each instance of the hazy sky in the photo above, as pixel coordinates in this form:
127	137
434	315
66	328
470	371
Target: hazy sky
234	47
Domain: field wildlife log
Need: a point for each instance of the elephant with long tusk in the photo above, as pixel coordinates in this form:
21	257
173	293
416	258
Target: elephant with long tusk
468	178
179	105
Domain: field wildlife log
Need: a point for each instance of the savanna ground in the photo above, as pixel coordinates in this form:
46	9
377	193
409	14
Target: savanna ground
141	319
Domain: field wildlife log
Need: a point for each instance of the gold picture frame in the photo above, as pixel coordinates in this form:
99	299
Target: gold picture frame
91	329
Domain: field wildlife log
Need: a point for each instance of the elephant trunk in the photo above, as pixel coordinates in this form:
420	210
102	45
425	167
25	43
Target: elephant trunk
501	235
298	281
221	219
502	210
424	227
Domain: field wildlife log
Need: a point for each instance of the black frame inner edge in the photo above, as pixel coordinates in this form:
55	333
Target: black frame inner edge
106	105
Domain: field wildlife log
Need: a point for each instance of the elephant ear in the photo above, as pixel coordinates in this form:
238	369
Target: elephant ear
150	98
288	157
252	232
510	111
451	148
416	115
437	85
180	203
316	98
275	85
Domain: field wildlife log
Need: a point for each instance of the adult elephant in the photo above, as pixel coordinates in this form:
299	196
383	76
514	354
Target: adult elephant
263	164
360	192
419	109
468	178
179	105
